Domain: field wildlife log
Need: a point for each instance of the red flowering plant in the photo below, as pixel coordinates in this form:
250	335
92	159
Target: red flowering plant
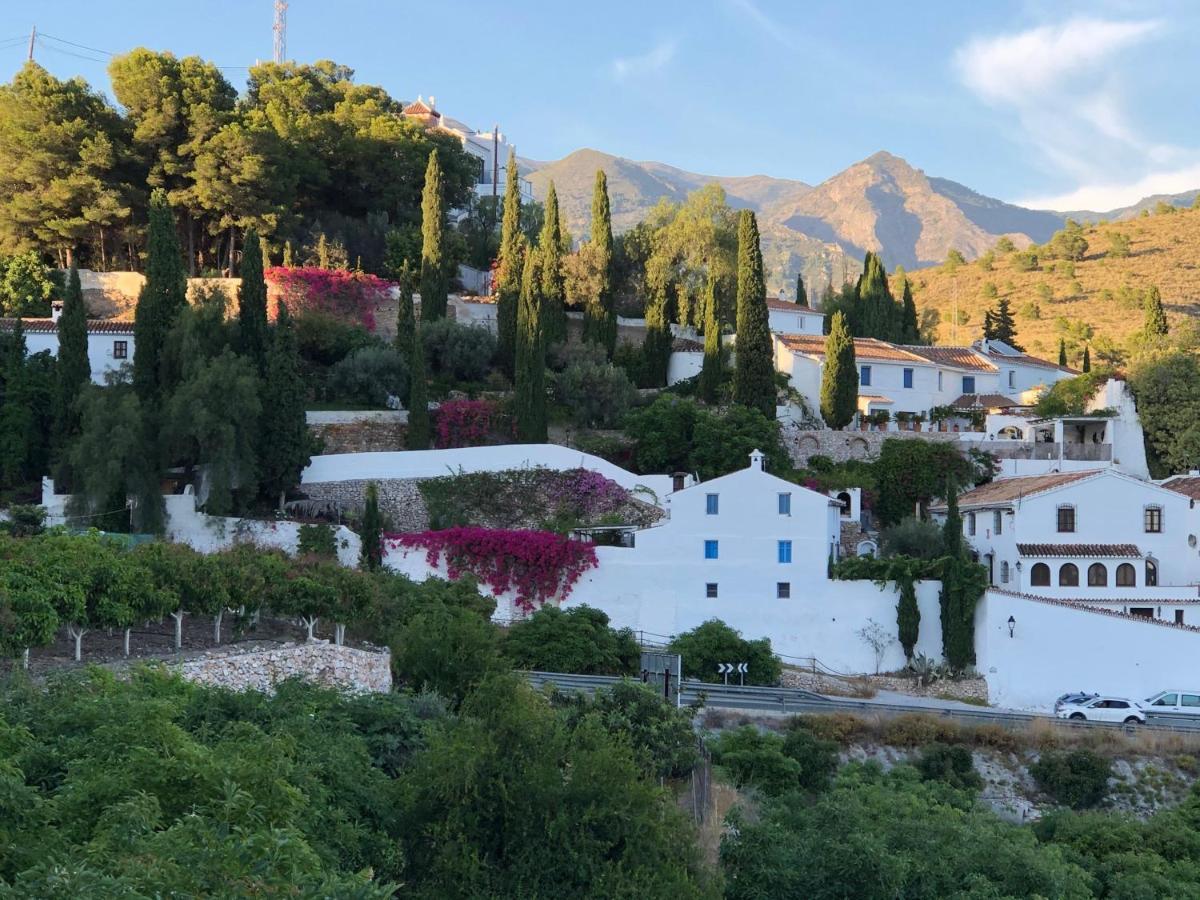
350	296
537	565
463	423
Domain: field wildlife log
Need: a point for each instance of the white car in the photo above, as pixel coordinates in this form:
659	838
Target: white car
1104	709
1176	703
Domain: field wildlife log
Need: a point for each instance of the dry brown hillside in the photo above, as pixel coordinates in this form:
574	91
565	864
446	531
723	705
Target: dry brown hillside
1096	299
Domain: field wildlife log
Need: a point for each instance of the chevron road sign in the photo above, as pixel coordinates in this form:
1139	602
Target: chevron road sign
726	669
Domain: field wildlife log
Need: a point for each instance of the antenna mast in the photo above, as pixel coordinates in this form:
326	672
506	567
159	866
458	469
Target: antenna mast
280	30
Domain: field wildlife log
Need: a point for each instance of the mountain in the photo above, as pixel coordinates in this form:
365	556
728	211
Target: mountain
1096	300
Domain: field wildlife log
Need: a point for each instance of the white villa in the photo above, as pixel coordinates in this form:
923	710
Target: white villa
490	148
785	317
110	343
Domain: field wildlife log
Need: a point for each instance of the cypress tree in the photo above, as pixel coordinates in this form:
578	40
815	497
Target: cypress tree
283	441
1087	358
508	278
1062	352
372	530
656	346
908	617
530	393
73	371
957	610
554	313
952	530
1155	316
710	374
910	328
600	316
801	293
162	297
418	391
434	285
323	252
16	407
839	377
287	255
876	314
252	303
754	371
405	316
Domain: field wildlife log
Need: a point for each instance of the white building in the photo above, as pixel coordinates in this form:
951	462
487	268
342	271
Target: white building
489	148
477	311
915	379
110	343
785	317
1098	537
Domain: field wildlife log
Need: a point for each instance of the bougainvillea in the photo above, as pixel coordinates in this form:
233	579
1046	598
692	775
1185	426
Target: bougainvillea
464	423
536	565
351	296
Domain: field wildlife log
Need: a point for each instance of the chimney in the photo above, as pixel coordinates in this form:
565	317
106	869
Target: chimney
756	460
432	102
56	308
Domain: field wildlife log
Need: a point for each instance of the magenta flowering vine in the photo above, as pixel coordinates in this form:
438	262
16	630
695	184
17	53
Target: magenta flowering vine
348	295
538	566
464	423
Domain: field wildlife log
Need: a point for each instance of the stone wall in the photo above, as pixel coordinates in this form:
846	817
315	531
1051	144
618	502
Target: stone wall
319	662
400	500
359	431
845	445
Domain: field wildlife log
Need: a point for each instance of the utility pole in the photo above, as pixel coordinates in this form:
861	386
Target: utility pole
32	41
280	30
495	161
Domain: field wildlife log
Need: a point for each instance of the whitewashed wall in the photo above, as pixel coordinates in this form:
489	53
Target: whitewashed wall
100	349
684	364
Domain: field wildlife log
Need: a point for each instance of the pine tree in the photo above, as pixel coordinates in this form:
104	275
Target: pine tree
372	530
600	316
434	285
530	393
554	313
1155	316
1062	352
418	391
162	297
508	281
1087	358
656	345
710	374
405	316
283	438
1004	325
989	325
73	371
287	255
910	328
252	303
839	377
754	369
801	293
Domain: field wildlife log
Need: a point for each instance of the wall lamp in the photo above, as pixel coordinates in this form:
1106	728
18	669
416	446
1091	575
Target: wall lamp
1012	626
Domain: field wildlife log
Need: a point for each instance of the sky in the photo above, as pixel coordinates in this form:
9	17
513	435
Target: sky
1057	105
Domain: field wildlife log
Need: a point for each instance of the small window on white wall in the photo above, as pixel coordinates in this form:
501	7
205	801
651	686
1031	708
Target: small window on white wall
1004	572
710	590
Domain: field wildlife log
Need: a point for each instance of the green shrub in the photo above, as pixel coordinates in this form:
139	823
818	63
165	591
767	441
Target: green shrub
458	352
24	520
368	375
753	758
818	758
912	537
949	763
1075	778
706	646
1025	260
317	540
596	394
323	339
579	641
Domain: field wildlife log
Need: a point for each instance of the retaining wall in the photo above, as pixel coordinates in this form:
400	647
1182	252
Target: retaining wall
318	662
369	431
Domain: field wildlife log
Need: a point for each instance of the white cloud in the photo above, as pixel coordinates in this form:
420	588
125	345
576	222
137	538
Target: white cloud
753	13
654	59
1066	85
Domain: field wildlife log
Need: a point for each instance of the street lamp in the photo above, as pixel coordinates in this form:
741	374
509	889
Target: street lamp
1012	626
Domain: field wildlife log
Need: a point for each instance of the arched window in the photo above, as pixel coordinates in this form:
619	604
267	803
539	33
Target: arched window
1151	573
843	500
1004	572
1039	575
1097	575
1068	575
1126	576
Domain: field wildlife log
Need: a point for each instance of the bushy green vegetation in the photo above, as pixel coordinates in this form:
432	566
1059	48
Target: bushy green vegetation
576	640
714	642
1076	778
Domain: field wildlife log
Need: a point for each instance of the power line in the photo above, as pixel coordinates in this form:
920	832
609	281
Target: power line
42	34
63	52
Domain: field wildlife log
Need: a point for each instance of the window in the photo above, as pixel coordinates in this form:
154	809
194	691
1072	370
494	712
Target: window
843	500
1142	612
971	524
783	590
120	349
1068	575
1004	572
1167	699
997	522
1190	700
785	504
710	590
940	380
1126	577
710	549
1066	518
1152	519
1179	617
1151	573
1039	575
968	384
908	376
1012	378
864	375
785	551
1097	575
712	504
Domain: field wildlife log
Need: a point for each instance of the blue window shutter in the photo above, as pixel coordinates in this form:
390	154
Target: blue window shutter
710	550
785	504
712	504
908	378
785	551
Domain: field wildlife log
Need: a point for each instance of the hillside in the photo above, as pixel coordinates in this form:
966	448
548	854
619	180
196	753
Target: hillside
1096	299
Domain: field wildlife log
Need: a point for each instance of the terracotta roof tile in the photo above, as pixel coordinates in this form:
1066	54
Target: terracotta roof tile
49	326
864	348
789	306
1005	490
1026	360
1118	551
956	357
1188	485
